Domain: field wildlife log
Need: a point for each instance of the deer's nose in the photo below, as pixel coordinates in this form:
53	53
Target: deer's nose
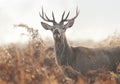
56	32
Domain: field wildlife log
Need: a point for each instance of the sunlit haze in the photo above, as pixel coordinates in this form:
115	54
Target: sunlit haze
97	19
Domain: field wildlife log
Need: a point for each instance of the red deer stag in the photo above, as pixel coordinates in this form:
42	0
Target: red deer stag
81	59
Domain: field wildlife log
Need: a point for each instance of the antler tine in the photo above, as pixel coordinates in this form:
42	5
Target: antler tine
53	16
67	15
45	17
63	15
41	16
77	13
42	12
63	20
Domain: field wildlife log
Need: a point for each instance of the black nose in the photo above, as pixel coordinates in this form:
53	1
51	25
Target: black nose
56	32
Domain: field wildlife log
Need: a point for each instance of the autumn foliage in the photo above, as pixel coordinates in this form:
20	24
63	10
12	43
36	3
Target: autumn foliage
34	63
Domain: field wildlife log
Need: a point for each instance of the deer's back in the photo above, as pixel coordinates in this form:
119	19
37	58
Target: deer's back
86	59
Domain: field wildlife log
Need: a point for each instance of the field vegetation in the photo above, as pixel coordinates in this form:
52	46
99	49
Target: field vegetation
34	63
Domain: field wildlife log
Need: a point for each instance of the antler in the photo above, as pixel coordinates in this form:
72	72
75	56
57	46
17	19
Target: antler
66	18
45	17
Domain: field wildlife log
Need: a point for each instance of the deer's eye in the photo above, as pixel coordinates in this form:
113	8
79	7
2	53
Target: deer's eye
52	29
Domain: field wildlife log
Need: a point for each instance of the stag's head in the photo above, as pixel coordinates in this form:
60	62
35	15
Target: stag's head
58	29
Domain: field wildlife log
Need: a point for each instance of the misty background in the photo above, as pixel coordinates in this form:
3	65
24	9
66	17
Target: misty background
97	19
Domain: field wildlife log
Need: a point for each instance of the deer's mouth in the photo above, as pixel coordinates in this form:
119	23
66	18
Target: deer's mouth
57	36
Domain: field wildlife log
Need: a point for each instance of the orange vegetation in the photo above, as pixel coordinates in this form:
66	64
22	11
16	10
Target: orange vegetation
34	63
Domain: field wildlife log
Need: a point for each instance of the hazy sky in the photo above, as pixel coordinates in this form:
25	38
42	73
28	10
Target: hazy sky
97	18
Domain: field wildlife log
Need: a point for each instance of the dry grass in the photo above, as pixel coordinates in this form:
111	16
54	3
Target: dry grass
34	63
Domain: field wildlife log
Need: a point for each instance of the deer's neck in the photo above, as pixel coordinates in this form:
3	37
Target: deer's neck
63	51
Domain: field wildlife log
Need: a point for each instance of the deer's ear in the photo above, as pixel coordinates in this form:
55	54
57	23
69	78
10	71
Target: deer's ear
46	26
69	24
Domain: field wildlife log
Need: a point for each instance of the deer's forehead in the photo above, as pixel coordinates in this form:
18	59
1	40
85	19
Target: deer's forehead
58	26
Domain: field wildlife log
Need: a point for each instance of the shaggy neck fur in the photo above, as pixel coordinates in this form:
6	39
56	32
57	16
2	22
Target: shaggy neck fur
63	51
